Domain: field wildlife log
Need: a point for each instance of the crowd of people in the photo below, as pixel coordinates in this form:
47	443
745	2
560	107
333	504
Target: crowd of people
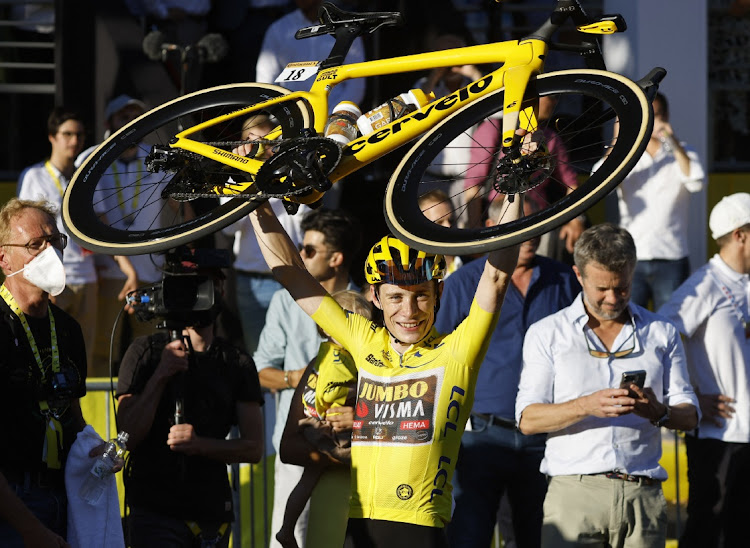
442	397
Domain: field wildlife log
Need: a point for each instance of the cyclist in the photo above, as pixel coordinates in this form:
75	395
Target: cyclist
415	386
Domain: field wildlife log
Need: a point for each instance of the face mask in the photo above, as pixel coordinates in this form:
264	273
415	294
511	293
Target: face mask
46	271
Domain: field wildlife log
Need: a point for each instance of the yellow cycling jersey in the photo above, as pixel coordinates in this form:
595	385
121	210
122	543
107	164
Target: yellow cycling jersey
410	414
336	373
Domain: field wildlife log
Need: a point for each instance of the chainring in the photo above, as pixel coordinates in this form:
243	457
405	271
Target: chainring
298	166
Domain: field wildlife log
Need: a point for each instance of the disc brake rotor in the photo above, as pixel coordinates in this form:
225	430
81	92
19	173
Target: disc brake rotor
534	166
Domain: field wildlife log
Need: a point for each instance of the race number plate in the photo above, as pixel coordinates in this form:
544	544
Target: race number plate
298	72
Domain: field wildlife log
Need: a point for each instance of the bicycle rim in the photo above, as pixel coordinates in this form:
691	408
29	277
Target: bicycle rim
461	156
115	204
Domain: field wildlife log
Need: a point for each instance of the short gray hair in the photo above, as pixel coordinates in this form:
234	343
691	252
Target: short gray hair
606	244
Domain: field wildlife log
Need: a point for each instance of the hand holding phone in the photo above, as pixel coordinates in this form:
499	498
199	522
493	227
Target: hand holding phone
637	378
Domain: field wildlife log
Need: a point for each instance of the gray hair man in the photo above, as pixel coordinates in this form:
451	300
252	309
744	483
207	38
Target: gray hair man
604	436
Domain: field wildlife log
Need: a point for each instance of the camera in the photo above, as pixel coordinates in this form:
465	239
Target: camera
61	388
187	293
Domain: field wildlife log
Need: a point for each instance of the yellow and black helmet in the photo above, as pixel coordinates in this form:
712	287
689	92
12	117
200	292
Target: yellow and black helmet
391	261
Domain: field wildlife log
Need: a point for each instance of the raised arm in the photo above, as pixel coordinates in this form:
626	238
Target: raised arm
284	260
499	266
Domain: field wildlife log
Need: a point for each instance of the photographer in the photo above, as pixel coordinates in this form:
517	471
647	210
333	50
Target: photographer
178	400
42	377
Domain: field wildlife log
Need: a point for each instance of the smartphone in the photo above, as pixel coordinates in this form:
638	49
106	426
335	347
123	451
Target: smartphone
637	378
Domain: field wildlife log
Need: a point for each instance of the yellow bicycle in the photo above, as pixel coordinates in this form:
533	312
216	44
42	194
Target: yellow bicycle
133	194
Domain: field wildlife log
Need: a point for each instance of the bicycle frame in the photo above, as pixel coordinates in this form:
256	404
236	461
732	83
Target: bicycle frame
522	60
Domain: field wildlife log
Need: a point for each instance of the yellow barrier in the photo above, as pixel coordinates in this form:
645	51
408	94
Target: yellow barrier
255	494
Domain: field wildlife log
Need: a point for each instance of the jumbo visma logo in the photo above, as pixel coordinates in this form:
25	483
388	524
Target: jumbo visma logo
399	412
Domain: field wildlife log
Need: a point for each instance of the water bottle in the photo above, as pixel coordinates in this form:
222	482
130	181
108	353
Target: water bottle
395	108
96	481
342	125
667	143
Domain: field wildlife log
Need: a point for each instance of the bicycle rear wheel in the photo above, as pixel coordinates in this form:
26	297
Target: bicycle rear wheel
117	204
462	156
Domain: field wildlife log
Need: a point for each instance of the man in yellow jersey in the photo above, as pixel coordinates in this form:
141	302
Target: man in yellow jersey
415	387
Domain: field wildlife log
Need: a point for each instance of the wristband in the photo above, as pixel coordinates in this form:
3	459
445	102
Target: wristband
286	379
664	419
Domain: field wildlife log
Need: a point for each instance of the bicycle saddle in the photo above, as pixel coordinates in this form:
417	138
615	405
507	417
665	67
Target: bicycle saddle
331	18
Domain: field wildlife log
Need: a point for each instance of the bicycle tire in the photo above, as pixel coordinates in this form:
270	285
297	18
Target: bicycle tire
600	93
135	218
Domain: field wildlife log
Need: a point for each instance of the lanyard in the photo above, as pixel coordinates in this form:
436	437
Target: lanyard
120	199
53	435
55	178
735	305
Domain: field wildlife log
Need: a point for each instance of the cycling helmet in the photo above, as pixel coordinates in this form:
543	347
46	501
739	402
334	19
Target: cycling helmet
391	261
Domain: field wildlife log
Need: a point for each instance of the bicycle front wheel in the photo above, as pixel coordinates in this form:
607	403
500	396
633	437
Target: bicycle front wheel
462	155
122	202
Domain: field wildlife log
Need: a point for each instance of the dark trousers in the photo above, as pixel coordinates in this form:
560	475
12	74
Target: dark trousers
376	533
494	461
718	501
148	529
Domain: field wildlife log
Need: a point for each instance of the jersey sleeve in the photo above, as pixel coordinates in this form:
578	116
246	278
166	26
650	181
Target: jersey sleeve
470	340
349	330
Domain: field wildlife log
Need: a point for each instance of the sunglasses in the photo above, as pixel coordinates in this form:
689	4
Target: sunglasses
616	354
310	250
36	245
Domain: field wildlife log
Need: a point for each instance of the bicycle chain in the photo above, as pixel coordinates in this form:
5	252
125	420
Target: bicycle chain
286	146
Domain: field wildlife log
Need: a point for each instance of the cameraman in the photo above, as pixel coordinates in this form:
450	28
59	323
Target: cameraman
176	477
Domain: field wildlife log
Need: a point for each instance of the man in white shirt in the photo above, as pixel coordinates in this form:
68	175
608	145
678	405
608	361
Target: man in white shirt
711	311
654	207
123	208
47	181
604	442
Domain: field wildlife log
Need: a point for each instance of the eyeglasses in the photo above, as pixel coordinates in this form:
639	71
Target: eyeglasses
616	354
36	245
71	134
309	250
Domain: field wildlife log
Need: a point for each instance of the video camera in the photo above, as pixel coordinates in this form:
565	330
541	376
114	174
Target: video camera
186	295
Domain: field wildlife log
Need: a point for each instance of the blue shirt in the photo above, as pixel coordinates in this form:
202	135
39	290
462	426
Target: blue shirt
289	341
553	286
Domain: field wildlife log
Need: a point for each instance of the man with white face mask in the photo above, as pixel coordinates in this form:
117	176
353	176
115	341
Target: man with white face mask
42	377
